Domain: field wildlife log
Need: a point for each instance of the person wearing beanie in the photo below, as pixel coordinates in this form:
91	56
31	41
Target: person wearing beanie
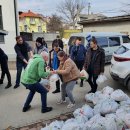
39	46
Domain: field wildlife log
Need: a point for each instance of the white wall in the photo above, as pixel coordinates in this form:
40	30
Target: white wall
8	25
108	27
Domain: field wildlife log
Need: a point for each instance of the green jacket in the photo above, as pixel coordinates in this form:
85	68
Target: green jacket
34	70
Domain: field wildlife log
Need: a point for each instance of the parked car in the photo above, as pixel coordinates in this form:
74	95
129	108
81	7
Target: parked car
109	41
120	65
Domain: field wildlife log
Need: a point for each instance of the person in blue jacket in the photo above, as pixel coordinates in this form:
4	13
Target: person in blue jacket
78	54
54	63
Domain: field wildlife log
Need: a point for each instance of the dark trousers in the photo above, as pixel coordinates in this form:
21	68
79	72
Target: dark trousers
5	70
92	82
37	87
58	85
80	65
19	66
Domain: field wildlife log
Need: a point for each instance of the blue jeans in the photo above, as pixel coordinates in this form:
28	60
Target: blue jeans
37	87
19	66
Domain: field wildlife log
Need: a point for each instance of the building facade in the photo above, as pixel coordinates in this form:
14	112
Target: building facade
31	22
108	24
8	26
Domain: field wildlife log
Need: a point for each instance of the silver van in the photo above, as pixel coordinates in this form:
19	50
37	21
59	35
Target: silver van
109	41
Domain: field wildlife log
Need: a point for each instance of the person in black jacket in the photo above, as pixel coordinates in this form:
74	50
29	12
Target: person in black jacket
22	49
44	42
59	41
4	68
94	63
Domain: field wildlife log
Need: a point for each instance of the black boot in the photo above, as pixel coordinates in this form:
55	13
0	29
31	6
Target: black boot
47	109
16	86
8	85
1	81
56	91
57	87
26	108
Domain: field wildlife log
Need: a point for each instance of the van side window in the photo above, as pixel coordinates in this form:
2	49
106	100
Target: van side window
126	39
72	39
102	41
114	41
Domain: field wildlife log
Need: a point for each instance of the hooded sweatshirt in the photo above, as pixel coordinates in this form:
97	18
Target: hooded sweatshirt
34	70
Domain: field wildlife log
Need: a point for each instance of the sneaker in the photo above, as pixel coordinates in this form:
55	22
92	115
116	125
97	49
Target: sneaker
47	109
16	86
71	105
61	102
8	86
56	91
26	108
1	81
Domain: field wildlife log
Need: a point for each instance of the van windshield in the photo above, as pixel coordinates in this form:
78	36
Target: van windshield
121	50
72	40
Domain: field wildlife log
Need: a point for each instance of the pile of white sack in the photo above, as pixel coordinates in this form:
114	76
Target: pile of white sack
110	111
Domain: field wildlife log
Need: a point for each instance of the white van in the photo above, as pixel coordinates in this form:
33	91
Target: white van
109	41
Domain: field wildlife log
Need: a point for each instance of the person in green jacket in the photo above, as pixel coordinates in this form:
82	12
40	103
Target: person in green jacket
34	71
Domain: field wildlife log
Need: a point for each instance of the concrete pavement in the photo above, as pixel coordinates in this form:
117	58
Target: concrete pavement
12	100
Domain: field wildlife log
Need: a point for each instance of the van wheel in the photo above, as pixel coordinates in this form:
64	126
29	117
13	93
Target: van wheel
128	85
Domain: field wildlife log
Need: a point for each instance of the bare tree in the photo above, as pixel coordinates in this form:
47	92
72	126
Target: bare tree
125	8
71	9
55	24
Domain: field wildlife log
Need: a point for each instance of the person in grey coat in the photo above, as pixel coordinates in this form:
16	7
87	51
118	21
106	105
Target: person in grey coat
39	46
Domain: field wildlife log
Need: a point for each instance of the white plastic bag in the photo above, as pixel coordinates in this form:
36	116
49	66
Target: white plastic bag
54	78
89	97
110	124
82	119
101	79
95	98
127	120
109	106
121	114
106	107
84	74
71	126
99	97
56	125
44	82
107	90
119	95
86	110
95	123
119	123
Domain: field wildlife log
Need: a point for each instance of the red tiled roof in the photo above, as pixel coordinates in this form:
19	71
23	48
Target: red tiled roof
29	14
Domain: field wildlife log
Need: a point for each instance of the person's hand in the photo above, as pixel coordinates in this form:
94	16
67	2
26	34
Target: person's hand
83	68
54	71
51	72
81	74
48	67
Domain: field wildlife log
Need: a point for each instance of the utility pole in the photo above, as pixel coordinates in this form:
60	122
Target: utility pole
89	7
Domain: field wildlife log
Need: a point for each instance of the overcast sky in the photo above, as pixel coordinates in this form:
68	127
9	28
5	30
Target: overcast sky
48	7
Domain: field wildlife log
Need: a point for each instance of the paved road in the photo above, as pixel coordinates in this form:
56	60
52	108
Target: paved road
11	102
